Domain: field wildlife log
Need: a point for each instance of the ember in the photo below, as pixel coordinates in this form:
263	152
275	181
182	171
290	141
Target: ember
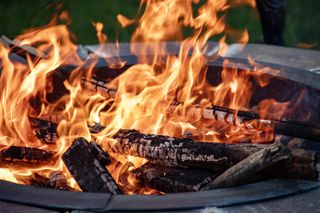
158	126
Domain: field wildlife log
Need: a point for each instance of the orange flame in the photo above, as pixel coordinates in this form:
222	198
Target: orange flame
162	95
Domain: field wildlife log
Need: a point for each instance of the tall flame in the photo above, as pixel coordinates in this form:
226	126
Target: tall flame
158	95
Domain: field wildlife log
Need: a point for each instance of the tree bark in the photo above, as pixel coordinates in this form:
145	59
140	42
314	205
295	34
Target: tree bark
181	152
249	167
218	157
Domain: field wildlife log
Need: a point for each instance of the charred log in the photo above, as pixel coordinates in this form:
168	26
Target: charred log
44	130
172	179
249	167
181	152
25	154
304	164
90	174
168	151
248	120
56	180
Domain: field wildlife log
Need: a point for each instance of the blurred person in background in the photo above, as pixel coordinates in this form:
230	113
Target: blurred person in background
272	16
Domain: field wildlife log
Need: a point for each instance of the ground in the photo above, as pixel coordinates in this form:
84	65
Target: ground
302	22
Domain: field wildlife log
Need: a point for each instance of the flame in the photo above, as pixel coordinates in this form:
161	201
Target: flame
161	95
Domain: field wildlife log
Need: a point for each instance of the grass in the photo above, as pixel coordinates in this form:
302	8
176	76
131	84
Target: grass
302	21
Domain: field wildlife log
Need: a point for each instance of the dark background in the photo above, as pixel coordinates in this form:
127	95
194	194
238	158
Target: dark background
302	21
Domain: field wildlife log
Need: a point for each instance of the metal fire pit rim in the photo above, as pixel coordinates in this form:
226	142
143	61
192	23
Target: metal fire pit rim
55	199
302	76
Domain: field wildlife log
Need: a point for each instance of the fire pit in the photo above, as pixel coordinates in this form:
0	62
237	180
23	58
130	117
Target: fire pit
176	125
219	197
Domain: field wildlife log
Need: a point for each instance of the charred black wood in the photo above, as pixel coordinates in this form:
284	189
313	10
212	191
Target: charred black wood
304	164
250	167
58	180
100	87
39	180
298	143
25	154
102	156
168	151
90	174
44	130
181	152
172	179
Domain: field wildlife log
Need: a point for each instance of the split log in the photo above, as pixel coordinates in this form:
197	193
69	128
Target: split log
56	180
90	174
25	154
249	167
181	152
304	164
172	179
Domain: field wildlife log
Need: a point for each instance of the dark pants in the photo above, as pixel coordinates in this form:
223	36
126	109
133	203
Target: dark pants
272	16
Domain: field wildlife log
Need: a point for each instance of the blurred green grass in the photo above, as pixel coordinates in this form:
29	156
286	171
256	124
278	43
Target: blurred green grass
302	21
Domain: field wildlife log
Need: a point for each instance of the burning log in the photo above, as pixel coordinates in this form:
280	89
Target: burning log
25	154
181	152
90	173
229	116
302	165
44	130
172	179
249	167
100	87
217	157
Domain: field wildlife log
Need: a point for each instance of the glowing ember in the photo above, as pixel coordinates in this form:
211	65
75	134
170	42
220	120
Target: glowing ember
159	95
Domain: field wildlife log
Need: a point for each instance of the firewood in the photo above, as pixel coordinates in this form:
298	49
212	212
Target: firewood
168	151
304	164
25	154
248	120
44	130
172	179
100	87
38	180
56	180
249	167
181	152
90	174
